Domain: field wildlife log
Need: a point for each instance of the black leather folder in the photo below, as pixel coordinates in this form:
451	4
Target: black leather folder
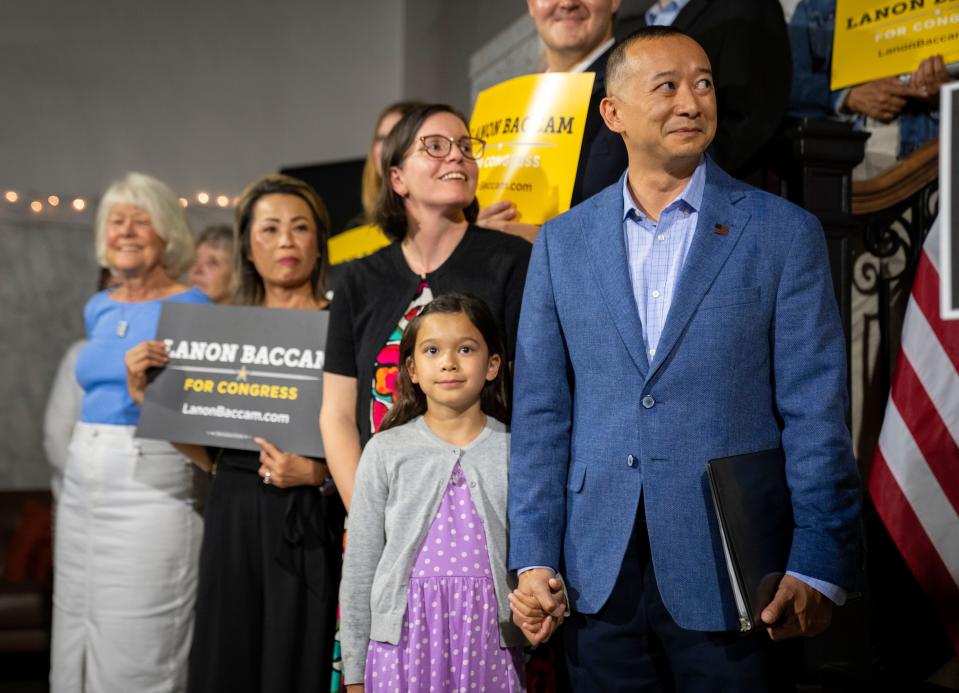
754	512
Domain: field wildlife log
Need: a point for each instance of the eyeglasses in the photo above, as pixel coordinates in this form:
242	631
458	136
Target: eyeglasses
439	146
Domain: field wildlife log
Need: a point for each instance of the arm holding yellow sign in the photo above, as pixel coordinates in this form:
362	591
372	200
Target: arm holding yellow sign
503	216
882	100
930	77
907	95
533	128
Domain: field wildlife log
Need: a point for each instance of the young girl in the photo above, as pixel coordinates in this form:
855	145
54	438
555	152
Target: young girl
424	593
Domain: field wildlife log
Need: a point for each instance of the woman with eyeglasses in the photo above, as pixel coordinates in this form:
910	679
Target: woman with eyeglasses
427	206
366	238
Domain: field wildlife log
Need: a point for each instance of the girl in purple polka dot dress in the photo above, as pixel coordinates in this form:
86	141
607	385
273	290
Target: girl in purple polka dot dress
424	592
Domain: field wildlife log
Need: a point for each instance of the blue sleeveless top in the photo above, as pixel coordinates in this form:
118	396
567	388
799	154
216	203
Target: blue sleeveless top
113	328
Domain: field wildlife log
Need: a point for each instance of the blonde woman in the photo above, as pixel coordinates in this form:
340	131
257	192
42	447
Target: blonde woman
128	532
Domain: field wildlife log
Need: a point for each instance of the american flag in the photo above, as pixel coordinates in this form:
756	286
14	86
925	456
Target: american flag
914	479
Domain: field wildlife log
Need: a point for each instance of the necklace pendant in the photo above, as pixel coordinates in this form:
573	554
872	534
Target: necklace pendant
122	328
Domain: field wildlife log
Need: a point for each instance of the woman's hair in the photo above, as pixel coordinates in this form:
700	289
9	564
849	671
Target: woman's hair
372	180
166	215
217	235
390	212
409	400
248	284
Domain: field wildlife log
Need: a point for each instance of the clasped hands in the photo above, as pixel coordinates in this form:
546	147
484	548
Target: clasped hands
538	604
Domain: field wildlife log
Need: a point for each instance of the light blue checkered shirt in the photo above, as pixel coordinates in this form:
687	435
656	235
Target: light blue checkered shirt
656	252
657	15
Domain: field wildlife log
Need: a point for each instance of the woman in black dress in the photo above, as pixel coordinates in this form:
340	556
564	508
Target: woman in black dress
427	206
271	556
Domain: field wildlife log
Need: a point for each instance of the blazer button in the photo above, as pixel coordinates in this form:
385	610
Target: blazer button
630	461
648	402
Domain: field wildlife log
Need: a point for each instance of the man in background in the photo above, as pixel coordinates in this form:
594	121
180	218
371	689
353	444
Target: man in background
578	37
747	44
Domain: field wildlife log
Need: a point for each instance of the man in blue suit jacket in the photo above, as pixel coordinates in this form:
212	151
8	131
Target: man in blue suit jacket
676	317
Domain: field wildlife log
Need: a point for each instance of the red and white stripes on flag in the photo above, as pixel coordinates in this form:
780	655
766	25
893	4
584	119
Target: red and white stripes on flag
914	479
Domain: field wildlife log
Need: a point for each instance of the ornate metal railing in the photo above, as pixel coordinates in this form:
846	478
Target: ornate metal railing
874	232
894	212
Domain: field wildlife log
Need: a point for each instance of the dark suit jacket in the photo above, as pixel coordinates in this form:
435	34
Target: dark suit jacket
747	44
602	159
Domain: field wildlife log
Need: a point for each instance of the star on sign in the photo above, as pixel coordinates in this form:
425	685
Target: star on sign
242	373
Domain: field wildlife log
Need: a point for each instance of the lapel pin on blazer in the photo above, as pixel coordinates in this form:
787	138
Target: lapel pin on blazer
721	230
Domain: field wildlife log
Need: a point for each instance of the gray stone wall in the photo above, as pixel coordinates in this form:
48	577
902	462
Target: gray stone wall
47	273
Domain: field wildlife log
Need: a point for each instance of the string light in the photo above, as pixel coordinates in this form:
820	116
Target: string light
46	203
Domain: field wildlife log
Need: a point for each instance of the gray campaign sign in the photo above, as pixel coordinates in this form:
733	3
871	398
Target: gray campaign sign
236	373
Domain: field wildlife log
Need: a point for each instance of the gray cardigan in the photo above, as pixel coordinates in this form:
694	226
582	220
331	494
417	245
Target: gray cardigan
399	486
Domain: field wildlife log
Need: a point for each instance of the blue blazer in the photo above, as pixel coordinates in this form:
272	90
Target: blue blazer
751	357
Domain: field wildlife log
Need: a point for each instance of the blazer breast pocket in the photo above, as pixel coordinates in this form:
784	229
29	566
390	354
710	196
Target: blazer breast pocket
736	297
576	477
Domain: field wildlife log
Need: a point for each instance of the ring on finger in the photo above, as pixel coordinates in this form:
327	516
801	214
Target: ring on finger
266	477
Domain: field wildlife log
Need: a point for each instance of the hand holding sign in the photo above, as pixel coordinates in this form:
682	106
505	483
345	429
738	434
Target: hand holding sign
496	215
878	38
501	215
149	354
929	78
281	469
533	129
882	99
232	373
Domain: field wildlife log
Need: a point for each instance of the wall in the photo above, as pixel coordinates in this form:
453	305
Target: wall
441	36
204	95
49	271
516	48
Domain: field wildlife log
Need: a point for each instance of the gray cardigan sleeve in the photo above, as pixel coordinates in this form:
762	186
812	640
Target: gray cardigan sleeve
365	540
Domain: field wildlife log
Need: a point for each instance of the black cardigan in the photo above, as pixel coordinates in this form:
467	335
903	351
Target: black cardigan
373	292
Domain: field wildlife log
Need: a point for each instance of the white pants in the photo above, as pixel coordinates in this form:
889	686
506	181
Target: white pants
126	548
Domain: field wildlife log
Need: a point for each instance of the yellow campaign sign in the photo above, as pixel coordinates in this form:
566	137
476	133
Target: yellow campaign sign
882	38
533	127
355	243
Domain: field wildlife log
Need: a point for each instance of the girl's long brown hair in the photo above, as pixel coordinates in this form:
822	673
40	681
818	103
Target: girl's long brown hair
409	400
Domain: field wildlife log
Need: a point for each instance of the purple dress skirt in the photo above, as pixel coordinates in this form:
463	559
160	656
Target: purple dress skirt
450	639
